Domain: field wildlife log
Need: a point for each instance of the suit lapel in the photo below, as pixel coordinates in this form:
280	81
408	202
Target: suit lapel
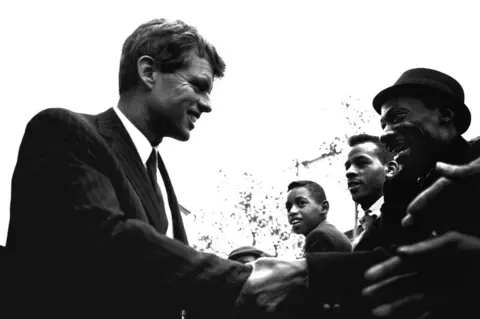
371	238
112	129
178	227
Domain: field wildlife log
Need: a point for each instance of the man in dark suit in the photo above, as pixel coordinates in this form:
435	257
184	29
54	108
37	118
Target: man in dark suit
95	224
307	208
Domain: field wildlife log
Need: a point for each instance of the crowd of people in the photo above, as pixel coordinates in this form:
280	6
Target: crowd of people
95	226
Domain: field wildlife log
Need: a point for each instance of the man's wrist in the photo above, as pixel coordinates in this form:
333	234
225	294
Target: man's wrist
301	270
301	266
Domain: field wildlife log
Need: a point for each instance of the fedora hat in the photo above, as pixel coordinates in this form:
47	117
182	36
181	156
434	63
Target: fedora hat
428	81
247	250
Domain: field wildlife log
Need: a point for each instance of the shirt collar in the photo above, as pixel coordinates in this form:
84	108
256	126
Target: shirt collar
139	140
374	210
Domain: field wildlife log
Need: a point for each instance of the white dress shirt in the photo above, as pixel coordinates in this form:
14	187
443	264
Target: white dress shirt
144	149
373	211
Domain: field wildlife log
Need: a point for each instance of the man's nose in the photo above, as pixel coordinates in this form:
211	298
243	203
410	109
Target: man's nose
205	104
351	172
293	211
388	137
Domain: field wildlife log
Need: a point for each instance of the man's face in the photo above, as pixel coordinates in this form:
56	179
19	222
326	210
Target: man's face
304	213
413	132
178	99
365	173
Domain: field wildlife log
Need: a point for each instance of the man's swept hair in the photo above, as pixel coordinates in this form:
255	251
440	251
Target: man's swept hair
383	154
316	191
168	44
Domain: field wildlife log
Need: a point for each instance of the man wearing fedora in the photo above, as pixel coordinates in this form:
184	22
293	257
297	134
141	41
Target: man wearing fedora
423	116
440	268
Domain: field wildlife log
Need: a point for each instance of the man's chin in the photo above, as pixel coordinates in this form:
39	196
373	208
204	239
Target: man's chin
182	136
411	161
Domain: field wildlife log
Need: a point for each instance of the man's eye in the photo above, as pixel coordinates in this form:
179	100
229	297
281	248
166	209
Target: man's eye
399	117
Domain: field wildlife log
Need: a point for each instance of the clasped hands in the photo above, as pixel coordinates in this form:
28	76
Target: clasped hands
271	283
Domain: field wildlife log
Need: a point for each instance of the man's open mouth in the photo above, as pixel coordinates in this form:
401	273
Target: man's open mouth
353	183
295	221
399	145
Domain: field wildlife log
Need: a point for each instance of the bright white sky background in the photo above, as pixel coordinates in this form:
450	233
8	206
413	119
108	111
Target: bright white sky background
289	65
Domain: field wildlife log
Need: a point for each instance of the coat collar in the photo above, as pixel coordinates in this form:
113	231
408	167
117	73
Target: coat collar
112	129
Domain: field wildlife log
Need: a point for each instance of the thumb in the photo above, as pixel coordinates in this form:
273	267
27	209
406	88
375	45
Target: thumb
430	247
457	173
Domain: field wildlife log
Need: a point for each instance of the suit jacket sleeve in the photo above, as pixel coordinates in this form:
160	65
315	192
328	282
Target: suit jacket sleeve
338	277
63	195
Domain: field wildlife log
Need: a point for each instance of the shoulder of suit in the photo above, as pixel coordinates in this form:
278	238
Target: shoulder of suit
61	124
58	116
325	227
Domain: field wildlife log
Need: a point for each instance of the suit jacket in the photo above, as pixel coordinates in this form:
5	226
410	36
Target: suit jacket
338	278
85	233
326	237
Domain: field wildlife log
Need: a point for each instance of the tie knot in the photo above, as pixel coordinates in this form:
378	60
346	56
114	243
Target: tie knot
152	159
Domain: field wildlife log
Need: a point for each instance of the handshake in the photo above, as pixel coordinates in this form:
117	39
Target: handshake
273	286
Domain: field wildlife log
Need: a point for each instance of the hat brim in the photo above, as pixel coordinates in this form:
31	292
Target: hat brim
255	253
462	117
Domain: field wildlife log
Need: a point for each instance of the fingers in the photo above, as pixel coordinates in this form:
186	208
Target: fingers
392	288
459	173
414	306
416	211
390	267
431	247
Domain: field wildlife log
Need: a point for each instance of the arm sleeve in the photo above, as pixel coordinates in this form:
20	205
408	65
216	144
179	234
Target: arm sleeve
338	277
66	212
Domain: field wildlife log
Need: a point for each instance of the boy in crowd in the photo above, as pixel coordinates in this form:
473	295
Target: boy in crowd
307	208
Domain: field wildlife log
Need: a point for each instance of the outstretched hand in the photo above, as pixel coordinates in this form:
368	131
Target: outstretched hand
439	275
454	179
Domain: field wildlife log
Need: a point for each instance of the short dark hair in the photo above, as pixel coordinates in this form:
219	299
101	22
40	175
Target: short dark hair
316	191
168	44
383	154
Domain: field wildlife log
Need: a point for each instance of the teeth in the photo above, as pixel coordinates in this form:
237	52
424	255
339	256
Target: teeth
294	222
353	184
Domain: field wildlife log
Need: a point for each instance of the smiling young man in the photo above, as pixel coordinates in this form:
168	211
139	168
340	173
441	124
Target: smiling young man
307	209
367	166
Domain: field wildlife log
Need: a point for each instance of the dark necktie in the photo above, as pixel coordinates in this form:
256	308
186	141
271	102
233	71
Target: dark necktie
152	166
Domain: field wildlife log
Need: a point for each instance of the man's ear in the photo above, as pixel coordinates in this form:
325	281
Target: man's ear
391	169
146	68
326	206
446	114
